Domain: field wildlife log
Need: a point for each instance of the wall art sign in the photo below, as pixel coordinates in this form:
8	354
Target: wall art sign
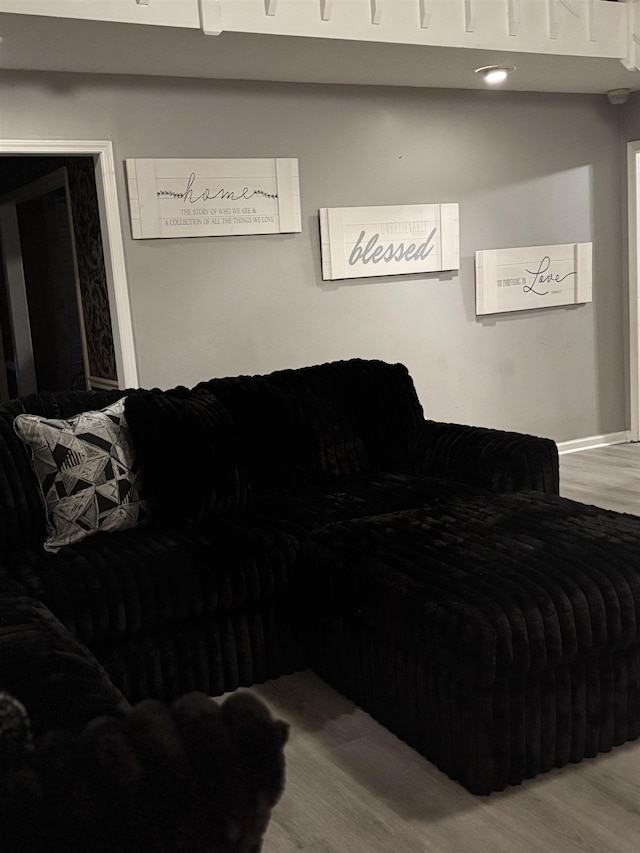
358	242
532	277
205	198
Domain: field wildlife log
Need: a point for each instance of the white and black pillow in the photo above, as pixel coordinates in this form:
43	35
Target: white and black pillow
87	471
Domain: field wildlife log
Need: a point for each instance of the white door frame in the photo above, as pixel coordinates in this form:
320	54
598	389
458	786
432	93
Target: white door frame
113	248
633	175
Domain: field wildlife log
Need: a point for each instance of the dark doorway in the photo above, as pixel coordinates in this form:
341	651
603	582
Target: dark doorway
50	274
55	322
43	332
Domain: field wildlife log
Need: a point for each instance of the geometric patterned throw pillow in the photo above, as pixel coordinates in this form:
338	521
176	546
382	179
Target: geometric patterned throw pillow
87	472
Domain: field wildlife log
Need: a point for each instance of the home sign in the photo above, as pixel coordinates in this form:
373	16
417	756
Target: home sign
204	198
532	277
358	242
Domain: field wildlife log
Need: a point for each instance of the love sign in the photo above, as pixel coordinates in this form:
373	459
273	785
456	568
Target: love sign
358	242
532	277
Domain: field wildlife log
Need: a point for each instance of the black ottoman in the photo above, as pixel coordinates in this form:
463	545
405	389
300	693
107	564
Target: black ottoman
500	637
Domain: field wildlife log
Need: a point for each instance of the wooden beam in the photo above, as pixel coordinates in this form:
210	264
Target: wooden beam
470	15
554	18
632	60
568	5
210	17
425	14
555	14
326	9
591	21
513	13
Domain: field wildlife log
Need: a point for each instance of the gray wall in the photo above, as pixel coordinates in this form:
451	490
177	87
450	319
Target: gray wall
526	169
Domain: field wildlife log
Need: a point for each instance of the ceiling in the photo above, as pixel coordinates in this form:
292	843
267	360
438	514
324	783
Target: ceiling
58	44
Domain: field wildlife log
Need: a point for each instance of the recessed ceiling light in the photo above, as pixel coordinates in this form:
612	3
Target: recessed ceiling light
495	74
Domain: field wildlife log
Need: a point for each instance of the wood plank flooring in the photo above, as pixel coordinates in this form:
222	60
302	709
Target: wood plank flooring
352	787
607	477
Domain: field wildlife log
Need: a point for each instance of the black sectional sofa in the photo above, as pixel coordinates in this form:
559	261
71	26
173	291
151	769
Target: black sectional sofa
237	473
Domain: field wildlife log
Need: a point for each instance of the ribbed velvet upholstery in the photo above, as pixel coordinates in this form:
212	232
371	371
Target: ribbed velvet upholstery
334	420
191	464
46	668
241	471
213	654
492	459
64	404
302	510
21	510
133	582
500	636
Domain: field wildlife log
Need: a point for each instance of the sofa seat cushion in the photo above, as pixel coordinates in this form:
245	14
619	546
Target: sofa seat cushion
138	581
504	586
302	510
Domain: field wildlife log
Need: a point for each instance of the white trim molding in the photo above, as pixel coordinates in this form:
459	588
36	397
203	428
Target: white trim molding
632	60
102	151
594	441
633	180
562	27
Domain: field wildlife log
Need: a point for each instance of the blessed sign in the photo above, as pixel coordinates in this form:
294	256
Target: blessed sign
392	240
203	198
532	277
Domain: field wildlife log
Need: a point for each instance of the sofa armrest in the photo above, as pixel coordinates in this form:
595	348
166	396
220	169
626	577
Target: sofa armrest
45	668
488	458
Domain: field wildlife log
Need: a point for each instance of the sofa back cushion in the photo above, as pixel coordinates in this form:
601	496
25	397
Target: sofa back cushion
281	429
330	420
189	459
22	520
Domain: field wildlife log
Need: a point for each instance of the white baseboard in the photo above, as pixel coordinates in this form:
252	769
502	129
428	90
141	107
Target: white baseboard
594	441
